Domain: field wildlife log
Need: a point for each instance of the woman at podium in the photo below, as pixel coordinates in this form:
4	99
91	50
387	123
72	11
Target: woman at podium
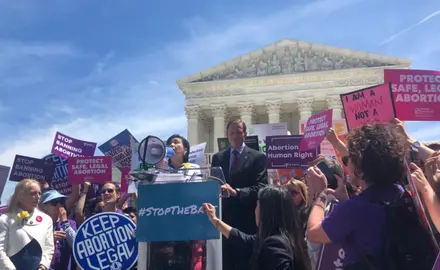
188	255
180	159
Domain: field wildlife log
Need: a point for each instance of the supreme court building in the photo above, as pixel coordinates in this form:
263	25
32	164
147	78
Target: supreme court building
287	81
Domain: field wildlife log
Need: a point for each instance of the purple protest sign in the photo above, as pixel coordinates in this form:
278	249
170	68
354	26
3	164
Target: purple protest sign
283	152
4	173
315	130
65	147
33	168
331	256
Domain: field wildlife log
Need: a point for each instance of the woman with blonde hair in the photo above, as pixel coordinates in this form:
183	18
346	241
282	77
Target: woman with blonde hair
26	237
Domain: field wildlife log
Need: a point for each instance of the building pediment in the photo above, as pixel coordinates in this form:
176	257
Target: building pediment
292	57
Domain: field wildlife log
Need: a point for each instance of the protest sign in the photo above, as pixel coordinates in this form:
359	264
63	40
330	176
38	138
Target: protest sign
120	149
33	168
59	180
65	147
316	130
91	169
250	141
416	93
373	104
125	177
106	241
174	212
4	173
3	209
264	130
283	152
197	154
331	256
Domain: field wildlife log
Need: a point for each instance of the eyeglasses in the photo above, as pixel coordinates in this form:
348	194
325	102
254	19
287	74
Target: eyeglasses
108	190
56	202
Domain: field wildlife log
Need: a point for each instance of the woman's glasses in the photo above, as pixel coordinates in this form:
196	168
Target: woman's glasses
107	190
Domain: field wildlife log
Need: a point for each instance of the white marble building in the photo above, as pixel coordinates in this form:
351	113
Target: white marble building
285	82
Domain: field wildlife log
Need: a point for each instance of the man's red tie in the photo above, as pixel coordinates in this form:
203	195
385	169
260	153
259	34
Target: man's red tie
235	160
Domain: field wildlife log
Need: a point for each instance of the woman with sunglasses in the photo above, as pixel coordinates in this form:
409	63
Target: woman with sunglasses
53	204
111	194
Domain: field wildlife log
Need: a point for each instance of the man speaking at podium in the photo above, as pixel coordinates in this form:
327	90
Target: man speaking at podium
245	173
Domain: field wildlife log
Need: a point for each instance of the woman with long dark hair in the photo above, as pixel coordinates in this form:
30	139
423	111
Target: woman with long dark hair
279	243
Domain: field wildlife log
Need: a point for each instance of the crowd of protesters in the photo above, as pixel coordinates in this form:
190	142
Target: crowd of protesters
364	204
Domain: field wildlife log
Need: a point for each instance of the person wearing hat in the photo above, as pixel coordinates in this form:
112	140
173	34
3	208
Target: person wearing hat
53	204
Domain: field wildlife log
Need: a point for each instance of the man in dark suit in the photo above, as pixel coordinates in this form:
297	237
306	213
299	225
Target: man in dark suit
245	173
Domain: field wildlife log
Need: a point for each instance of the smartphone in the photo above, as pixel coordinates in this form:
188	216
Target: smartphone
332	182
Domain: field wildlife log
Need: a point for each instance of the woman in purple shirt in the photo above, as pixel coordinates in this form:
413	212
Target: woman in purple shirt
359	225
53	204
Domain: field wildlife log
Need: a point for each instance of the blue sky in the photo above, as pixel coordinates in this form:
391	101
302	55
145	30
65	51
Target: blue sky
93	68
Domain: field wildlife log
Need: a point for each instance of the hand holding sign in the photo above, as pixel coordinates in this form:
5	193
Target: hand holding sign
210	212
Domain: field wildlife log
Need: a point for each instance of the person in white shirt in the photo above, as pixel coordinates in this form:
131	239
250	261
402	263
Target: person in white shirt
26	234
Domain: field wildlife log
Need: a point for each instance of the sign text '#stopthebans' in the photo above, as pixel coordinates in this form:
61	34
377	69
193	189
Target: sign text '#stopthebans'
174	210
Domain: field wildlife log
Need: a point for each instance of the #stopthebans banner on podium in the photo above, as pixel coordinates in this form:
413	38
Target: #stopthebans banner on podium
106	241
174	212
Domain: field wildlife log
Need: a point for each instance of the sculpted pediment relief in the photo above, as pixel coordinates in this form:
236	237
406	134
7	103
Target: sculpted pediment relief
290	57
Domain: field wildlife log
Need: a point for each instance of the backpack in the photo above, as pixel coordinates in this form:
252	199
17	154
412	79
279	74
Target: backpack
408	246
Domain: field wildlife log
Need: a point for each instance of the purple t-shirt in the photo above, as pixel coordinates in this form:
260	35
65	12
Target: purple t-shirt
360	225
63	252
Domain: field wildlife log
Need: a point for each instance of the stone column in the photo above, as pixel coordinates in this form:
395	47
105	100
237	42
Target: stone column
305	108
334	102
209	135
246	111
192	114
273	108
218	114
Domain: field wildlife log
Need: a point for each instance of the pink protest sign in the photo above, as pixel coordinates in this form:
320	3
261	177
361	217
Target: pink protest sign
125	177
416	93
97	170
315	130
373	104
66	147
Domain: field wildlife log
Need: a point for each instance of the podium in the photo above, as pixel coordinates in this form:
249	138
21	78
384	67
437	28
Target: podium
171	223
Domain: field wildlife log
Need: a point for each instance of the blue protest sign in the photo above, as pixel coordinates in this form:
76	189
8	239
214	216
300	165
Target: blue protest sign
59	180
173	212
106	241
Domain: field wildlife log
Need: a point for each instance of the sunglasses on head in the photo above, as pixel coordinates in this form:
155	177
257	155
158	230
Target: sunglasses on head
56	202
108	190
